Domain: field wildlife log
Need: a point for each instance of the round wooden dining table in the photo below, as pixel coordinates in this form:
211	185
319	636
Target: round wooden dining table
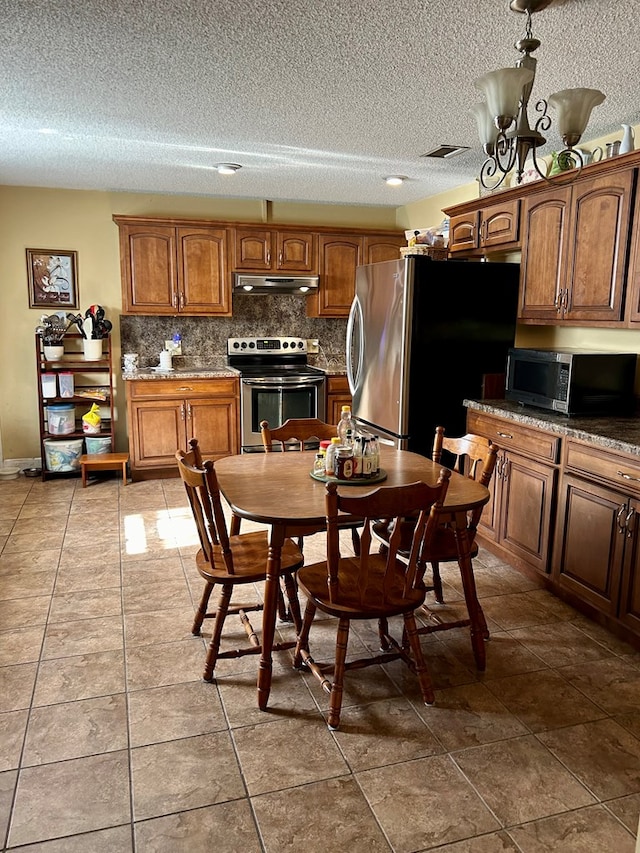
277	489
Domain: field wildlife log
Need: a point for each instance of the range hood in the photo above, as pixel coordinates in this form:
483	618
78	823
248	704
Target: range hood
258	285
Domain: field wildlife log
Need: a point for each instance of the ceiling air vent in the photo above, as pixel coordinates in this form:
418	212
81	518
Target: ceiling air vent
443	151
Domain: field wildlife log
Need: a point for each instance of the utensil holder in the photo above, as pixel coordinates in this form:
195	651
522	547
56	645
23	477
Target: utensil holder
92	349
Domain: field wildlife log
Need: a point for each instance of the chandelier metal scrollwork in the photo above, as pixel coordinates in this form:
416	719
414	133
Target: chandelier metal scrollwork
503	123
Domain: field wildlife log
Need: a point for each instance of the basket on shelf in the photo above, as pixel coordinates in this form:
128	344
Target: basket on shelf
436	253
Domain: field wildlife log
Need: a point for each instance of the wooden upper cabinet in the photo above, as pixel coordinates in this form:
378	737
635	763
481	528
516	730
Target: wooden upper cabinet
490	226
543	262
600	218
463	231
168	269
574	249
387	248
270	251
339	256
148	269
203	279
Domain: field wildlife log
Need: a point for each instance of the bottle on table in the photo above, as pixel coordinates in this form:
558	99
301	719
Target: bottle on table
367	459
357	456
330	457
319	463
345	424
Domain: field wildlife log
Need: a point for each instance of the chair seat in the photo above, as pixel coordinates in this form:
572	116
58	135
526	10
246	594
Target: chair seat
250	552
352	602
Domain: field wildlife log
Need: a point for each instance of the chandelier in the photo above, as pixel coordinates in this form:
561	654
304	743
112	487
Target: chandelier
503	122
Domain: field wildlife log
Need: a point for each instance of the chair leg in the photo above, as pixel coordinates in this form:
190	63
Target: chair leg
383	631
338	675
201	612
234	528
355	539
214	645
291	587
424	679
437	583
302	640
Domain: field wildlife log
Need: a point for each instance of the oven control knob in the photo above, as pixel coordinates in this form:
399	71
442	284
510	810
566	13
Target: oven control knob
285	345
252	345
300	344
243	344
236	345
292	344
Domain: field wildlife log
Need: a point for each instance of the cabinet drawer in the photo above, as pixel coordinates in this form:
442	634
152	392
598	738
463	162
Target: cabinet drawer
603	465
337	385
141	389
512	436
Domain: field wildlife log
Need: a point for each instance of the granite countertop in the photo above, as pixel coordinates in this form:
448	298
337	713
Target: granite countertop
612	433
182	373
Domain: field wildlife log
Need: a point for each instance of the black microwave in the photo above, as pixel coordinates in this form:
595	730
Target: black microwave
572	382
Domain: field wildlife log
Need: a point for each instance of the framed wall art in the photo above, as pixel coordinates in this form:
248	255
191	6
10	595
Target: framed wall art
52	276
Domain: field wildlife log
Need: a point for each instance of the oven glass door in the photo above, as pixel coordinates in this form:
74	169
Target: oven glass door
276	404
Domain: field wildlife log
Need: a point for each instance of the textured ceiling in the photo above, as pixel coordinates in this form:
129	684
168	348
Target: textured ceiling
317	99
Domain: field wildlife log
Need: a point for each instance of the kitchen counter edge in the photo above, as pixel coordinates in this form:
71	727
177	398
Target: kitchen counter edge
621	434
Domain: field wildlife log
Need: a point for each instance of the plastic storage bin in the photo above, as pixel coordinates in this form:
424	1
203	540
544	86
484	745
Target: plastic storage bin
95	444
65	381
62	455
61	418
48	384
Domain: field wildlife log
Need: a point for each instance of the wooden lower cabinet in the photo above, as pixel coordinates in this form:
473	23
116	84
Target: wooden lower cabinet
519	517
164	414
597	555
338	395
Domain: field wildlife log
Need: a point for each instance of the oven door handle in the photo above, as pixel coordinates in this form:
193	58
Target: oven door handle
285	386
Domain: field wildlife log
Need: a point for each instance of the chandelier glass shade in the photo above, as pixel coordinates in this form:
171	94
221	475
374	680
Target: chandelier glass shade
503	122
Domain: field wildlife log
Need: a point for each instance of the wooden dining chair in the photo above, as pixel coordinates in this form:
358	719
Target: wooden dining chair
371	585
228	561
471	455
297	434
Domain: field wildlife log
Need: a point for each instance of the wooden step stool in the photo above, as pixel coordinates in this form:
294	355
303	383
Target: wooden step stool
103	462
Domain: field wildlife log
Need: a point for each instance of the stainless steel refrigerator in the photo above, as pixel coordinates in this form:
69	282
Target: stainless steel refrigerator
422	336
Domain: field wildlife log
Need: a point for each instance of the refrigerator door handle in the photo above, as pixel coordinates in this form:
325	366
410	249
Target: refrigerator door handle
355	315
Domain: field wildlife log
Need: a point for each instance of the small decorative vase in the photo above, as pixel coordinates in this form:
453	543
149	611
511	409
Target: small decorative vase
560	162
628	140
53	352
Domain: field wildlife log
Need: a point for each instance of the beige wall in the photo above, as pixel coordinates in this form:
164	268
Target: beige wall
66	219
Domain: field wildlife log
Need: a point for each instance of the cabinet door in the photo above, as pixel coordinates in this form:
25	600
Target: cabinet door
377	249
500	223
148	269
253	249
463	232
591	540
214	424
629	609
598	241
544	251
296	251
158	431
338	258
527	489
490	518
204	283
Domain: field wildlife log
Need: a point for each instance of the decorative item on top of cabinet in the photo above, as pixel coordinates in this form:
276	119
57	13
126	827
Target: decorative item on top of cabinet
574	246
338	395
597	557
163	414
174	268
518	518
75	383
270	251
490	226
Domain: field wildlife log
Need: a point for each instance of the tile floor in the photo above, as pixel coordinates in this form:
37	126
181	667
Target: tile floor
111	742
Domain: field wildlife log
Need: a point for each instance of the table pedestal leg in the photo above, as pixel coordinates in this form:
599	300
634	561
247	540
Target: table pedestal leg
271	588
476	616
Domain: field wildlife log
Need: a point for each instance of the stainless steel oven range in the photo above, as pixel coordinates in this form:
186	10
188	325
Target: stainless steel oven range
276	383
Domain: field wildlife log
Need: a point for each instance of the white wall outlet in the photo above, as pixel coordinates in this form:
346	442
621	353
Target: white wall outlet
173	347
313	345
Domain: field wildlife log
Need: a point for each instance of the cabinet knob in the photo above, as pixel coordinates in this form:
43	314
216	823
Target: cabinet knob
627	476
619	520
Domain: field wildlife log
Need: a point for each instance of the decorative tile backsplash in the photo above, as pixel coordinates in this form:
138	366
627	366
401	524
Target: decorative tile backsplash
204	339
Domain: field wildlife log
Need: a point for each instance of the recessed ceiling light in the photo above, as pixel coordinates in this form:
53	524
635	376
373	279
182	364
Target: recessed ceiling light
395	180
227	168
